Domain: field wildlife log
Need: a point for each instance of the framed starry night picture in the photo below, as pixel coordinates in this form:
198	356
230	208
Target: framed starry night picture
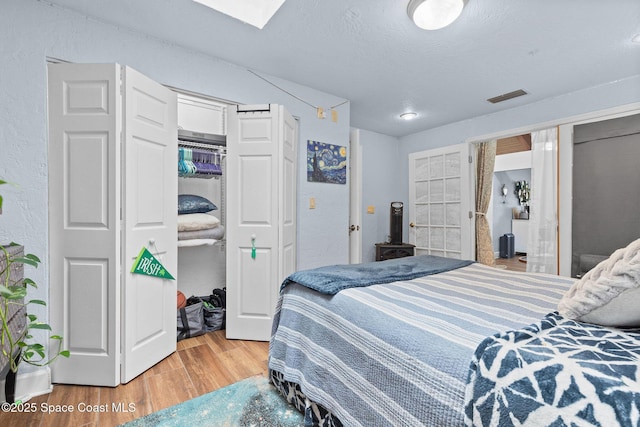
326	162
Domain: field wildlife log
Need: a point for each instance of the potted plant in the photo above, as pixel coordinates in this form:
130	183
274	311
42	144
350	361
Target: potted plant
17	345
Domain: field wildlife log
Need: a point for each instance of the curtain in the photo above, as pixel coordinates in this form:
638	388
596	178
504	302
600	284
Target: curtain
543	222
485	158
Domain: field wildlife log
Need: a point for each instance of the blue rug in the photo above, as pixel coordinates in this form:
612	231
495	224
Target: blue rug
250	402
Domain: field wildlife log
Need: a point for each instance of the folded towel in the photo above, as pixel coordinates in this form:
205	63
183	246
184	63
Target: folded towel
216	233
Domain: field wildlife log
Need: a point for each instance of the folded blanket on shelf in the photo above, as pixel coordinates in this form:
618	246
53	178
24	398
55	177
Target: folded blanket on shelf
197	221
216	233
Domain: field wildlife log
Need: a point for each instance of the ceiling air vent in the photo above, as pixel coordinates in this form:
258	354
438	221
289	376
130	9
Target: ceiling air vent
506	96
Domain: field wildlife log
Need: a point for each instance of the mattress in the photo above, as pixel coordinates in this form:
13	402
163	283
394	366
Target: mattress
398	353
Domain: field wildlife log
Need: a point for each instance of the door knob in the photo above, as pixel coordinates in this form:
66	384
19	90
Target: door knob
411	224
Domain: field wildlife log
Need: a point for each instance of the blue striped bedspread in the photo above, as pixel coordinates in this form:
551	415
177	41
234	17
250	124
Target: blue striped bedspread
398	354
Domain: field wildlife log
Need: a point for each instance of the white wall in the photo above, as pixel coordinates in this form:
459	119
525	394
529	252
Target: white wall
380	187
31	31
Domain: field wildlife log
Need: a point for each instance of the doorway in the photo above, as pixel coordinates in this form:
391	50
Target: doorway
508	210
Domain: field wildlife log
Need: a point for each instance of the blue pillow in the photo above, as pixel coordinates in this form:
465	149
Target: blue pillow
190	203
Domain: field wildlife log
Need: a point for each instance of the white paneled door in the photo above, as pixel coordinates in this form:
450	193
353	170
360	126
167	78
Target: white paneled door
112	191
440	202
261	215
149	211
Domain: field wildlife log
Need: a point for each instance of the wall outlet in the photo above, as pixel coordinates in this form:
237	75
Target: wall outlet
312	203
371	209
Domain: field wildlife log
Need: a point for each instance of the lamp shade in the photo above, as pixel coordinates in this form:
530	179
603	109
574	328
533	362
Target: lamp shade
434	14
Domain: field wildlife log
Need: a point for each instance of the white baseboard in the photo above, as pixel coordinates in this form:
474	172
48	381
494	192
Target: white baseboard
30	385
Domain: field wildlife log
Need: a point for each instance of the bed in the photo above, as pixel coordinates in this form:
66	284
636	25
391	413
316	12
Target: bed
416	340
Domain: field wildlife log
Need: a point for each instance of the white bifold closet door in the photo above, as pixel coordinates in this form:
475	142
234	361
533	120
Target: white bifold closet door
261	215
112	191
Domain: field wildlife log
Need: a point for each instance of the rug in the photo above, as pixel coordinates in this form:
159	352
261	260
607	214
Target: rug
250	402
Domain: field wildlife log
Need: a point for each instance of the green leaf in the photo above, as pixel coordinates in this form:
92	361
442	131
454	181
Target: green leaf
36	347
13	292
32	317
27	260
5	292
39	325
32	257
55	337
37	301
65	353
27	281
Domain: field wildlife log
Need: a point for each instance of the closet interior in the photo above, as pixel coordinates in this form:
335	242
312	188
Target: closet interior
201	195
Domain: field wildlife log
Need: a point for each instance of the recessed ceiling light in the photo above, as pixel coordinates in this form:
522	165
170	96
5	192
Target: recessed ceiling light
408	116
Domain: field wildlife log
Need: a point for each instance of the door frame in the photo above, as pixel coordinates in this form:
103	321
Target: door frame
355	197
565	156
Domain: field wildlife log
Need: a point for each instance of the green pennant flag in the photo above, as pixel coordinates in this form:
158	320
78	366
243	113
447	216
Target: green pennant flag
148	265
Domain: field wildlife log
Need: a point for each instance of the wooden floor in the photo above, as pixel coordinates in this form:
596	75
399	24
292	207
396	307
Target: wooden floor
201	365
515	263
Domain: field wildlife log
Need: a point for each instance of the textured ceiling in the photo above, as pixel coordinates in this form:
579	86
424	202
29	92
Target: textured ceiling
368	51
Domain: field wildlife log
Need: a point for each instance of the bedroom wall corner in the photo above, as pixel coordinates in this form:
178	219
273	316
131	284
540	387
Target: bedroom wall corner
381	175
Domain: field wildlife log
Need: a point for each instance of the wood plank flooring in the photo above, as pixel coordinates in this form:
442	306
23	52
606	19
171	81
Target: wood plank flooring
201	365
514	263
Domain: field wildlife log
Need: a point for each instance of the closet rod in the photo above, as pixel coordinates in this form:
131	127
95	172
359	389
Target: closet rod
208	147
202	138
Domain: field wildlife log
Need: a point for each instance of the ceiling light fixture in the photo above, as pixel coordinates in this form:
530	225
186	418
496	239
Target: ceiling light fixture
636	39
434	14
408	116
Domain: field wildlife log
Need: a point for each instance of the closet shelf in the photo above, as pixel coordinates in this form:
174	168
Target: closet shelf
198	242
202	138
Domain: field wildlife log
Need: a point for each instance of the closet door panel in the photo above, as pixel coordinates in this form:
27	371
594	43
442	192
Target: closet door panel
84	227
88	187
252	176
150	189
287	196
255	193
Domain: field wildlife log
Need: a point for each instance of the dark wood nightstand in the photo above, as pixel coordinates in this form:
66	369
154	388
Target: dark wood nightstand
391	251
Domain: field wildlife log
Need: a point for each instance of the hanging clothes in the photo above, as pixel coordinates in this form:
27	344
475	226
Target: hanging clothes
199	160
